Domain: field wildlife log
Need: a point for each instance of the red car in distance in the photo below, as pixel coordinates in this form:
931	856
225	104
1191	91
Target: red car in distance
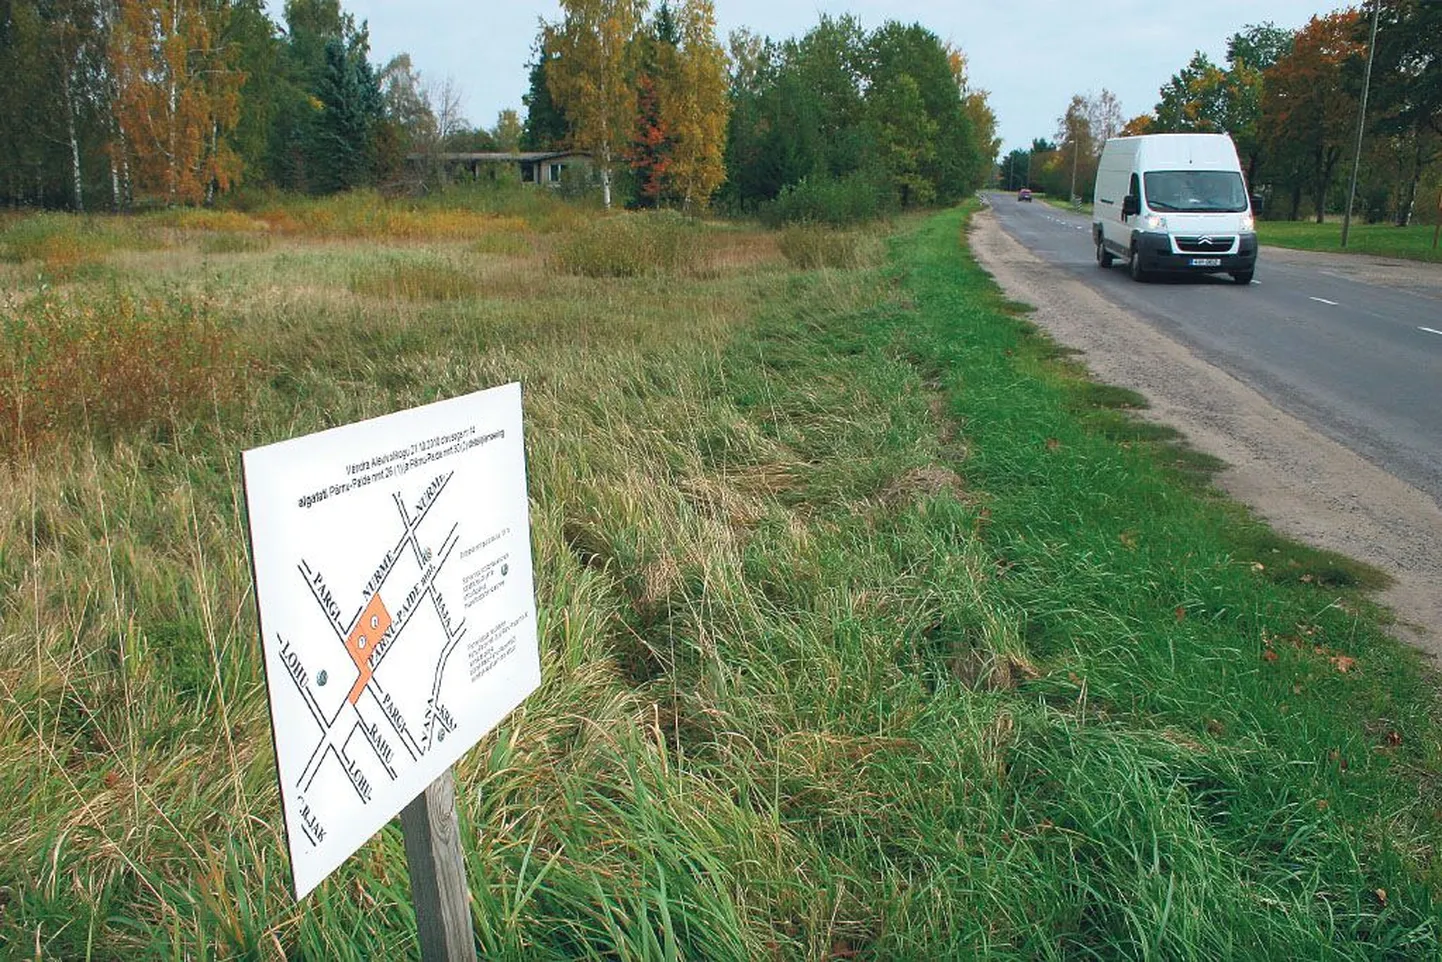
1024	194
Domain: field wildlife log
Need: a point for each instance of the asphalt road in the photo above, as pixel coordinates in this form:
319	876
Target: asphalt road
1360	362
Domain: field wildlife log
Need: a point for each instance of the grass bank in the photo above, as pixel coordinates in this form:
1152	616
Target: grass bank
1383	240
870	628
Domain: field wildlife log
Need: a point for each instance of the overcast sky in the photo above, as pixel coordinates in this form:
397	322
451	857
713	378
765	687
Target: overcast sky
1031	55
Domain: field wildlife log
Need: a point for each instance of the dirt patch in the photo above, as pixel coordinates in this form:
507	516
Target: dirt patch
1306	485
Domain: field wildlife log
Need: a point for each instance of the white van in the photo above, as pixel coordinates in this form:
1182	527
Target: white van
1174	203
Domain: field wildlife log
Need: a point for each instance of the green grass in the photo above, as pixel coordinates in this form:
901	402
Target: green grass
870	628
1384	240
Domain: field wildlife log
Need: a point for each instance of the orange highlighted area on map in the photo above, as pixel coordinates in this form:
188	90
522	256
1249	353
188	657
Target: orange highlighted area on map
374	622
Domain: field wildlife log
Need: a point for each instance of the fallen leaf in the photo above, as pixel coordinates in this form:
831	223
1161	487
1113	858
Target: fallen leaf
1258	566
1381	897
1343	663
1269	655
1394	739
1307	579
1052	444
1128	539
1181	613
1322	805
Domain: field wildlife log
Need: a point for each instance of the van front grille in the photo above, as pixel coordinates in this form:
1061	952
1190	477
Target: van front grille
1206	244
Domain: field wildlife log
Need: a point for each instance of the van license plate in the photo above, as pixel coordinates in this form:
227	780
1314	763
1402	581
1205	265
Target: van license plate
1206	262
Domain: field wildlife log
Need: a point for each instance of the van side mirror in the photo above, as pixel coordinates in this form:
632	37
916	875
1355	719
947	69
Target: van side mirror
1130	205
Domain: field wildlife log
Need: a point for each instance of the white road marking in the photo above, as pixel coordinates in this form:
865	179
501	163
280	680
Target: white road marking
1429	330
1323	300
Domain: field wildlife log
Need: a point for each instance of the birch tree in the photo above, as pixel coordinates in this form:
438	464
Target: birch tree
695	107
589	76
176	97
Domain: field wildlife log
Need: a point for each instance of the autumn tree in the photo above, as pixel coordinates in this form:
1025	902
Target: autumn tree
177	97
589	76
1138	125
652	138
694	106
1308	114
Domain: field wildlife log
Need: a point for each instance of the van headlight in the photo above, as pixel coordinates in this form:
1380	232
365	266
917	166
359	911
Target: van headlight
1155	222
1249	223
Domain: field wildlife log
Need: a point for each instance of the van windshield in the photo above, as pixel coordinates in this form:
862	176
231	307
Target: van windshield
1195	190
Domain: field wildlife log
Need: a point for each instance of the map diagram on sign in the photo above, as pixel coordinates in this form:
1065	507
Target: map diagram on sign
393	574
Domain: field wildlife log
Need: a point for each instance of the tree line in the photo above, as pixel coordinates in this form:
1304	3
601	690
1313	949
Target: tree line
118	103
107	103
1290	99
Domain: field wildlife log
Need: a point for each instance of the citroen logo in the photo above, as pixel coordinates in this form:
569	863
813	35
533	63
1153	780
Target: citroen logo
1204	240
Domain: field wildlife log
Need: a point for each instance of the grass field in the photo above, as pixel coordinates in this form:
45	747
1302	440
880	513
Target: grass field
871	628
1385	240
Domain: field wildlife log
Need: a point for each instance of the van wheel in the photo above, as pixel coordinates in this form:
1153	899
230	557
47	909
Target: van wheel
1134	266
1242	277
1104	256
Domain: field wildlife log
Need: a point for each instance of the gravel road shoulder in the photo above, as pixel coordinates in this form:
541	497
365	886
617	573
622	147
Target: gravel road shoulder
1304	484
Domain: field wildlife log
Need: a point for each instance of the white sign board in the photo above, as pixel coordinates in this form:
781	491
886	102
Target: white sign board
397	612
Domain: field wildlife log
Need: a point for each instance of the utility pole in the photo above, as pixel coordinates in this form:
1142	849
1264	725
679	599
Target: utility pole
1075	148
1361	122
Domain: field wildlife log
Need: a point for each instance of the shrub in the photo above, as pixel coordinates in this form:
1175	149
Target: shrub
629	245
855	199
110	365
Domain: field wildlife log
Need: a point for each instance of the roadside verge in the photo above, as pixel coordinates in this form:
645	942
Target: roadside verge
1303	483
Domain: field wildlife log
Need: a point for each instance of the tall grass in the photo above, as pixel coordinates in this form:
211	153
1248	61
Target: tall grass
862	637
629	245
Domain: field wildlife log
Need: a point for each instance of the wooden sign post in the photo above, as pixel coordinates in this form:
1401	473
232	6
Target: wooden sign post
438	873
392	563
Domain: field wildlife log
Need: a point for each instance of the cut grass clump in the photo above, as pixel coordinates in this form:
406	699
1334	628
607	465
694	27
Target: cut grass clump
112	363
415	281
810	248
629	245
